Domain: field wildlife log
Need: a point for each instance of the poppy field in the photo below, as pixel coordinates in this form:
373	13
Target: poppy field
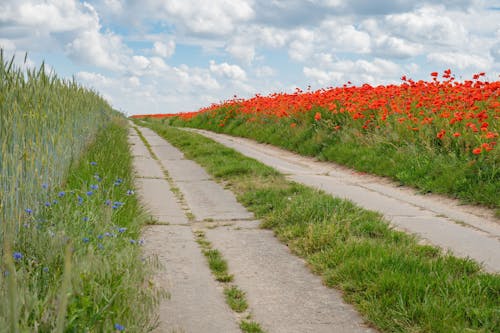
439	135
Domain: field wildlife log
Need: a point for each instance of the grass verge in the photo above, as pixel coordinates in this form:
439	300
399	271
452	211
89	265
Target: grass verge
76	264
410	160
397	284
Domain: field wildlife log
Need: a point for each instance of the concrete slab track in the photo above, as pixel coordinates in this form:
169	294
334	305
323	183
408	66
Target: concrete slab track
465	231
283	295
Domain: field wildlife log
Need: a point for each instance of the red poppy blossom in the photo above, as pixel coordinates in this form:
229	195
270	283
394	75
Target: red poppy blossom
477	151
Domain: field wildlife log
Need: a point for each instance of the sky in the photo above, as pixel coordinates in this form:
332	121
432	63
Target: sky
169	56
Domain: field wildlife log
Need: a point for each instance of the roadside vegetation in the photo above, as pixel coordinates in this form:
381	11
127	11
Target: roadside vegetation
70	242
396	283
438	136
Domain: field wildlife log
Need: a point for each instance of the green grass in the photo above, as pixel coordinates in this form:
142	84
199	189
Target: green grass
250	327
101	281
397	284
46	123
218	265
410	160
235	298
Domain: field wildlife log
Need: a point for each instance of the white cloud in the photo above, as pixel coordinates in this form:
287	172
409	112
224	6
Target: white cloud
344	37
302	46
378	71
323	77
461	60
224	69
428	24
195	77
92	78
396	47
241	49
272	37
217	17
164	50
102	50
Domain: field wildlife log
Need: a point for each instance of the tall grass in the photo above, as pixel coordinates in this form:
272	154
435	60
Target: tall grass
70	249
45	124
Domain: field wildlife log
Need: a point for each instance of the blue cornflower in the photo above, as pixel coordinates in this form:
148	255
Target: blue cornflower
141	242
89	193
85	219
117	204
55	202
28	211
85	239
80	200
108	202
119	327
93	163
118	181
121	230
100	237
45	185
132	241
130	192
94	187
61	194
17	256
96	176
45	269
47	204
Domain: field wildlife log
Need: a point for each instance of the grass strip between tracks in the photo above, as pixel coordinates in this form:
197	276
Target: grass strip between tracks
396	283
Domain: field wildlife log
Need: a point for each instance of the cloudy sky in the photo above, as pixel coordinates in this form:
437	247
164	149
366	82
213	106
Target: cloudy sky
168	56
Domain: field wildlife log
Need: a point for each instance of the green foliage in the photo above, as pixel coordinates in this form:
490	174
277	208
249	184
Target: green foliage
235	298
250	327
70	259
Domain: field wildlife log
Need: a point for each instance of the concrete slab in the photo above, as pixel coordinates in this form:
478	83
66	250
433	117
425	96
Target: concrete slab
167	152
155	140
208	200
185	170
441	221
195	305
147	167
464	242
372	200
285	297
161	203
137	146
